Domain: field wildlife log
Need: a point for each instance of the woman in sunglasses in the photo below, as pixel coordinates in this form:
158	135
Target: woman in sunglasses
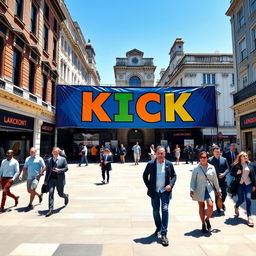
203	181
244	172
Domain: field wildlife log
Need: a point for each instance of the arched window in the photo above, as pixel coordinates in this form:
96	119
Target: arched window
134	82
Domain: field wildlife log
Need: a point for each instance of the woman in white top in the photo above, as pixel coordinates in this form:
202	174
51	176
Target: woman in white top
177	154
244	172
203	179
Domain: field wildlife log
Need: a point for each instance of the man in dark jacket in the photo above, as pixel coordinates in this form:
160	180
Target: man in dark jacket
159	177
221	166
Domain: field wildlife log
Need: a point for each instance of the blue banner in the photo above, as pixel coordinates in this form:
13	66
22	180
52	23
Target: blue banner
126	107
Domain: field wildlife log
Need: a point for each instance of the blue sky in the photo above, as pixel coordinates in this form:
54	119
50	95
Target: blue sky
115	27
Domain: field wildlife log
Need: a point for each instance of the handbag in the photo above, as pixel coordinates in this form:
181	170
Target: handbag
44	189
233	187
219	199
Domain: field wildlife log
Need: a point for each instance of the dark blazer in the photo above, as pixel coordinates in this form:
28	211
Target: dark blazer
61	164
109	160
227	155
220	165
149	176
252	173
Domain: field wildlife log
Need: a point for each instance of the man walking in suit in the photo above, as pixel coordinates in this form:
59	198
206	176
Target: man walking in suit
231	154
105	162
221	166
159	177
55	177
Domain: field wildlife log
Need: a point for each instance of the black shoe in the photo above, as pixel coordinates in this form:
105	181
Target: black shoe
157	234
165	241
208	225
40	198
66	200
16	201
48	214
223	207
204	230
2	210
218	210
29	207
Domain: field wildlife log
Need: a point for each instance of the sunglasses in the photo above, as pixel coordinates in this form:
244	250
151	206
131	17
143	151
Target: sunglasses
203	157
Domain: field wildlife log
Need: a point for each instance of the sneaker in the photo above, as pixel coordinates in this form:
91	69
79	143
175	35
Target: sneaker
157	234
103	182
48	214
250	222
236	211
165	241
204	230
29	208
16	200
208	225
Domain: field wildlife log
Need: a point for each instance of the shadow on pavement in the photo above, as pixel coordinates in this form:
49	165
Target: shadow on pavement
41	213
235	221
99	184
198	233
147	240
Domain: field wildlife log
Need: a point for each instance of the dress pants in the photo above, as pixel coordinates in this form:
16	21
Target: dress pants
6	190
52	183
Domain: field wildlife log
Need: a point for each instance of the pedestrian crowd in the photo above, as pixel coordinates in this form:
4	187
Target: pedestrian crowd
212	178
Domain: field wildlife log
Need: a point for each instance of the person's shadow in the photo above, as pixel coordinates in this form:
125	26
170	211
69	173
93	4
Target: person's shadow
147	240
198	233
99	184
235	221
41	213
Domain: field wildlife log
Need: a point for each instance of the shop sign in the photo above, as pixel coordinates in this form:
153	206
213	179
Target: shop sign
248	121
127	107
47	127
9	119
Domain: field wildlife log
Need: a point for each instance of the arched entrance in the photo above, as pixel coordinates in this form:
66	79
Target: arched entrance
134	135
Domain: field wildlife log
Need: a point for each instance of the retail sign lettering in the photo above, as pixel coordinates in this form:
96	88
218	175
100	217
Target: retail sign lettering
117	107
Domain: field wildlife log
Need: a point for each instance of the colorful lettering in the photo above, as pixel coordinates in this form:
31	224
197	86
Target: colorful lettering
123	107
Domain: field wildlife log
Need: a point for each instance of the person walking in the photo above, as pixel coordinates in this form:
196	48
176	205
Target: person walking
84	152
203	179
231	154
244	171
177	154
152	152
221	167
34	167
136	153
159	177
55	178
9	171
122	153
105	163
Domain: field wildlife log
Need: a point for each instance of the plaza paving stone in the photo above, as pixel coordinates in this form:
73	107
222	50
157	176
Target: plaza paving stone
116	219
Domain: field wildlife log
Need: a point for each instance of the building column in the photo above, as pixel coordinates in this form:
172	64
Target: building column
37	134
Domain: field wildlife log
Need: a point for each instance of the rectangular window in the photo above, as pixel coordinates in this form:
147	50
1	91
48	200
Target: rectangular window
242	48
19	9
240	17
209	79
16	67
33	19
46	11
254	38
233	78
245	81
55	25
53	94
46	34
44	87
253	5
54	54
32	72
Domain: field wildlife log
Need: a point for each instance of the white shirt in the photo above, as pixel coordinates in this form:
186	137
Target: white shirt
9	168
160	176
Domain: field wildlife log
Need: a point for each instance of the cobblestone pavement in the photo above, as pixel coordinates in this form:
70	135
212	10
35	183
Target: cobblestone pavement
116	219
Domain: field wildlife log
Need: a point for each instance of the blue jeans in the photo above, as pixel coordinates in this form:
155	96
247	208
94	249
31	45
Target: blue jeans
83	160
245	191
164	198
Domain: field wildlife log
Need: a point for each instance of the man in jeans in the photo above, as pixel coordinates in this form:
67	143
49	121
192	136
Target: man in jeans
9	171
159	177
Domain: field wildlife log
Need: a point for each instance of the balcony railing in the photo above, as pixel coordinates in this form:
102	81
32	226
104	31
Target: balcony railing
245	93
